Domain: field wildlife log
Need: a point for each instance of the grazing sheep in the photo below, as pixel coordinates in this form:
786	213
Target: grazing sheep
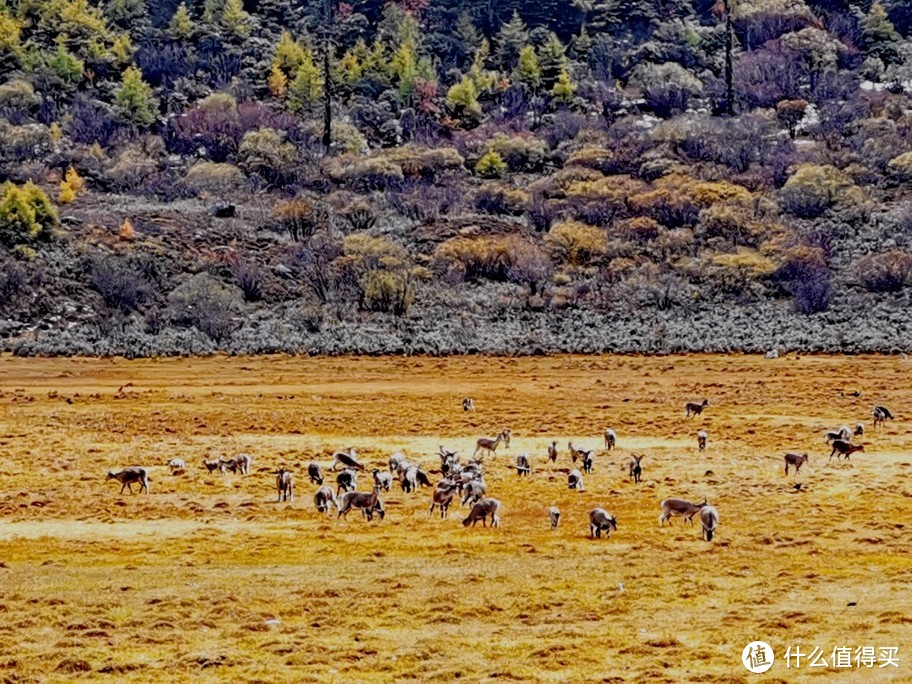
686	509
347	481
285	485
692	408
859	429
177	466
880	414
325	499
610	439
709	518
842	433
128	476
395	460
575	480
241	463
481	510
315	473
600	519
443	497
522	465
588	460
701	440
552	452
468	404
473	492
795	460
383	479
554	515
843	448
636	469
368	503
347	459
576	452
212	466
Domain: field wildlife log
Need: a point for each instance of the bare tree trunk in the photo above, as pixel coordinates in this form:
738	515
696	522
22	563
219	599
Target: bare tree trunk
327	76
729	67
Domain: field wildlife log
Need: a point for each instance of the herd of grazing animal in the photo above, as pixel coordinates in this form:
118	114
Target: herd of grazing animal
467	480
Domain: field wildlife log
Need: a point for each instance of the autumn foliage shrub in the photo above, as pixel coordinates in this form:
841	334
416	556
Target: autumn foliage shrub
300	217
577	244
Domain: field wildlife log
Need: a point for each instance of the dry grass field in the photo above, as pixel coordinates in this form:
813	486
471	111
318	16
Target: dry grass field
207	578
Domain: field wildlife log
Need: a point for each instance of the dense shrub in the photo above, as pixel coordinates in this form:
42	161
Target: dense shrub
804	273
26	214
360	215
501	198
214	177
387	291
22	143
267	153
885	272
520	153
814	189
365	174
207	304
901	166
250	278
491	165
121	285
577	244
473	259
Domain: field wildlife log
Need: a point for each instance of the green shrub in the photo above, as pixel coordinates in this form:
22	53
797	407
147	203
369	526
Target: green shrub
26	214
491	165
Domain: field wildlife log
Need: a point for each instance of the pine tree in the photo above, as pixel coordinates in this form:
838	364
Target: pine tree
509	41
349	70
235	19
553	60
290	54
564	88
307	87
277	81
463	98
135	100
181	25
879	35
528	71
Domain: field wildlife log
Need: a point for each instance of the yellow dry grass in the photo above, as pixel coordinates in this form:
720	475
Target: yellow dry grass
179	585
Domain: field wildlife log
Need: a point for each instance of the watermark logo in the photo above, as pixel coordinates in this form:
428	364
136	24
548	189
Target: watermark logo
757	656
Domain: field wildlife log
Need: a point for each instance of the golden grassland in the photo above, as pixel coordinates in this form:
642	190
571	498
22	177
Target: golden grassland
179	585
